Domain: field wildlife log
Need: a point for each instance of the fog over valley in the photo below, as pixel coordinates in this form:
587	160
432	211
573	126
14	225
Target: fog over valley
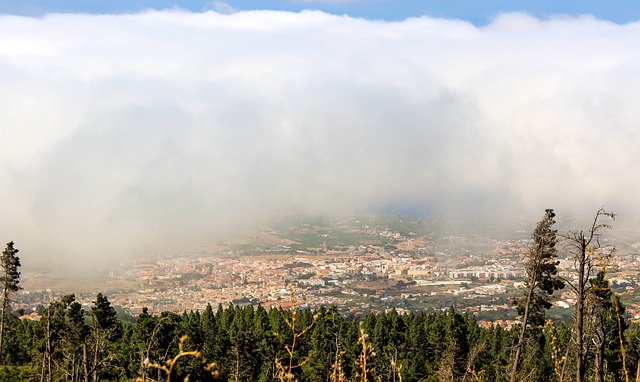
129	134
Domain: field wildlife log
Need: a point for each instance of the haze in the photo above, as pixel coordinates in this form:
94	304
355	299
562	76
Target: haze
128	134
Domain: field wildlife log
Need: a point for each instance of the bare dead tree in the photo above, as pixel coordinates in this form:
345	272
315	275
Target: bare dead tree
589	255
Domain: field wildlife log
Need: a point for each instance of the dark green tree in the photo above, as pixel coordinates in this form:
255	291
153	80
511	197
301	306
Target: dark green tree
415	354
616	354
105	329
73	340
606	323
541	281
143	341
632	344
325	341
493	362
393	352
222	346
266	345
243	361
209	327
50	330
10	279
19	338
451	364
190	326
168	338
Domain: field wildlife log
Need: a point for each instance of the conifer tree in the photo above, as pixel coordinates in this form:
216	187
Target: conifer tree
10	279
600	305
606	324
73	341
51	328
541	281
265	344
209	328
142	338
325	345
18	338
105	328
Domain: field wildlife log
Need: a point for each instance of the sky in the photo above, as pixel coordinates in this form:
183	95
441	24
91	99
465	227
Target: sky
127	130
478	12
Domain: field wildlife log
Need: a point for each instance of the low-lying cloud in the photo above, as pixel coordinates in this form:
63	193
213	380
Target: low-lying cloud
122	134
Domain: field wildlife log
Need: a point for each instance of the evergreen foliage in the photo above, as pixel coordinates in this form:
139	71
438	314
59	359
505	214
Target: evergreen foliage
246	342
10	280
541	281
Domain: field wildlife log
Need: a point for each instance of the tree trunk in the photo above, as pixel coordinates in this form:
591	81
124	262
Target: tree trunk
1	335
44	363
143	366
85	361
599	377
49	367
95	360
525	319
72	373
580	297
237	365
584	257
2	321
579	345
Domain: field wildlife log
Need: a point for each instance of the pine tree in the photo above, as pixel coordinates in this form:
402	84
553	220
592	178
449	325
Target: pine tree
607	324
73	341
143	340
10	280
265	343
209	328
19	339
50	329
105	328
541	281
323	343
600	305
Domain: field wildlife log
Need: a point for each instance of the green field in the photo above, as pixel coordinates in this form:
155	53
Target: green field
318	231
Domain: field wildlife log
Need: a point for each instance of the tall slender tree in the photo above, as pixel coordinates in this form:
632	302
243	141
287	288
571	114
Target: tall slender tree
74	341
105	328
600	309
51	328
10	279
589	255
541	281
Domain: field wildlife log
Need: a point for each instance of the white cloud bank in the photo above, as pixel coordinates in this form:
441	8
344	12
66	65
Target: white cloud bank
123	132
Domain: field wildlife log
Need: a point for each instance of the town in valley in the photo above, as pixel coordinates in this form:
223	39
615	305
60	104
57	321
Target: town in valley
361	264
